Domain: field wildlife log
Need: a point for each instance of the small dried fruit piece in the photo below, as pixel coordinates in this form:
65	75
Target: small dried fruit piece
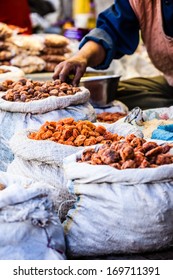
2	187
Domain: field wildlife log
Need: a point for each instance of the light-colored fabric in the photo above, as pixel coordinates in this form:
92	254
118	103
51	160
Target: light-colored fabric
30	228
148	120
159	45
14	73
113	107
41	160
42	151
118	211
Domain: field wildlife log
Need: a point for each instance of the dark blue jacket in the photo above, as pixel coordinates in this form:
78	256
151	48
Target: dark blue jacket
118	29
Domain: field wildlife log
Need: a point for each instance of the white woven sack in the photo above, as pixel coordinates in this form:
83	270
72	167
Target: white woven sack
42	160
14	73
123	129
38	171
42	151
46	105
13	122
30	228
118	211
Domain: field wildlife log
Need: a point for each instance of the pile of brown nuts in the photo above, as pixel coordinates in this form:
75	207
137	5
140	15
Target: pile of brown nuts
26	90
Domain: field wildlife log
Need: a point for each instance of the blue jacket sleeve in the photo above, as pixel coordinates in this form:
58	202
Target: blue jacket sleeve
117	31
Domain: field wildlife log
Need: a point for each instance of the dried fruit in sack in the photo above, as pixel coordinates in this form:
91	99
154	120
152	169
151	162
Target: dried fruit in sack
5	85
2	71
132	152
110	117
25	90
2	187
76	133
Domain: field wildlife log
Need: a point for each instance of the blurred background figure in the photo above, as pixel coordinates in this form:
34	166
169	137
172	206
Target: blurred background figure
48	16
16	13
43	13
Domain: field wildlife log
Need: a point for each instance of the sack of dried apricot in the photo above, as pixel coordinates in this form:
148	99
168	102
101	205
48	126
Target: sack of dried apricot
124	199
40	153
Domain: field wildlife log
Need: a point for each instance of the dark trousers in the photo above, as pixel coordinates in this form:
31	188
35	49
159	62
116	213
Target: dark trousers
145	93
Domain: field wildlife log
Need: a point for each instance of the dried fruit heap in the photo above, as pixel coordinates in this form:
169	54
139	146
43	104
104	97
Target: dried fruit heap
75	133
132	152
110	117
27	90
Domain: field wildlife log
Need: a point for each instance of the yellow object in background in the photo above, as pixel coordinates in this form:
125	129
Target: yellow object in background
92	18
81	7
83	14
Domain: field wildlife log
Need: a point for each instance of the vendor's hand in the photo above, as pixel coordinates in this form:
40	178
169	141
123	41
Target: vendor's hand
71	70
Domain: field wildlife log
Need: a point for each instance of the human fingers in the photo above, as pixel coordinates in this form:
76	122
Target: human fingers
80	70
57	71
64	71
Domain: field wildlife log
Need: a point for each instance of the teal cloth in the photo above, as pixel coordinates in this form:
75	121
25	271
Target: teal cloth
163	132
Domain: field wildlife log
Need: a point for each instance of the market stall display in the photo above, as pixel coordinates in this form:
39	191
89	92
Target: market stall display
149	120
133	152
30	115
41	153
29	64
5	31
32	53
122	180
27	90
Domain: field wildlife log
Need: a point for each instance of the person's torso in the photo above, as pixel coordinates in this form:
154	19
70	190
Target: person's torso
158	44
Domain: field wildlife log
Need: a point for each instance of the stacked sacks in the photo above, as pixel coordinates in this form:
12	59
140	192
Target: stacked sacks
28	64
32	53
27	207
7	49
20	51
56	48
29	48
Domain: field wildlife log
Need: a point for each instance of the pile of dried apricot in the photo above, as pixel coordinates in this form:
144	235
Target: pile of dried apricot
76	133
110	117
132	152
